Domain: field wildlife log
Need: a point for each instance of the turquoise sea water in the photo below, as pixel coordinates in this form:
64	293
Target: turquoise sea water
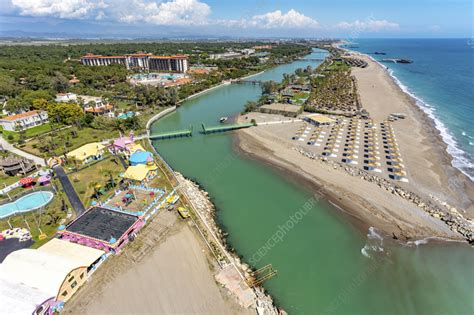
441	77
325	264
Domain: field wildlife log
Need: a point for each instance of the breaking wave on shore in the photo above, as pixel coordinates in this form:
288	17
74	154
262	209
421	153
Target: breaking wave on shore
461	159
374	243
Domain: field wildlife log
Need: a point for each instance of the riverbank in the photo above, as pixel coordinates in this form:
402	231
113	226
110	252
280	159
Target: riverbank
365	197
217	86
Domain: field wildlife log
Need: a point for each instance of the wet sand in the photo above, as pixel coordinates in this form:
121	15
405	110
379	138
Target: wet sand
427	163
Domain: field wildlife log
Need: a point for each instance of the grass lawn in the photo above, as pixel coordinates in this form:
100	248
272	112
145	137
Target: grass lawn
301	95
29	133
64	141
84	180
339	65
8	180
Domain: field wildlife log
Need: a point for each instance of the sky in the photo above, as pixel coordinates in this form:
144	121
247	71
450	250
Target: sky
238	18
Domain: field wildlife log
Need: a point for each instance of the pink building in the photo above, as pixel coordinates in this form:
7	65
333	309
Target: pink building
103	229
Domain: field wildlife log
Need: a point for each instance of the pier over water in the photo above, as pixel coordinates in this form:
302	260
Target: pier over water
173	134
214	129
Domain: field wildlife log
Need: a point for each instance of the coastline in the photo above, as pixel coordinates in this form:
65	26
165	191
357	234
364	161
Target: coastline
451	147
436	180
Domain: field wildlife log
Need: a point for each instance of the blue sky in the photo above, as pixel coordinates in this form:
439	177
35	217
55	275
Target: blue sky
243	18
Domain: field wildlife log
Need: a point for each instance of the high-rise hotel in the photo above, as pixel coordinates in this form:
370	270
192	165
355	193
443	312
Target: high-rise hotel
140	61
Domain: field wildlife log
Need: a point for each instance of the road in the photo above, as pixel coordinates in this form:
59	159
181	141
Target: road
69	190
7	146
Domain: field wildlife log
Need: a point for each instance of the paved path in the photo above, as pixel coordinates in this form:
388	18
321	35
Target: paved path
278	122
69	190
7	146
122	161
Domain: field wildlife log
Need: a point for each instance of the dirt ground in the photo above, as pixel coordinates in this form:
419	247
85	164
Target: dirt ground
167	270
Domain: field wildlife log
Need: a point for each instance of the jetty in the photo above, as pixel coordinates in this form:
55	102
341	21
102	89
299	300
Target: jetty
253	82
223	128
172	134
311	59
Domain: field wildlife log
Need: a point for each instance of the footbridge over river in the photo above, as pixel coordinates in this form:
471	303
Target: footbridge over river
205	130
253	82
172	134
223	128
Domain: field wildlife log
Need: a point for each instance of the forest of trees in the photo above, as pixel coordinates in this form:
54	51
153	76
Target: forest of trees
31	76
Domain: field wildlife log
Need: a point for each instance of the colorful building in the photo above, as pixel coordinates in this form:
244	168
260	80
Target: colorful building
87	153
103	229
140	174
141	157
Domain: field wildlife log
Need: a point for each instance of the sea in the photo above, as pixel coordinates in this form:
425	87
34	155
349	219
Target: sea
441	79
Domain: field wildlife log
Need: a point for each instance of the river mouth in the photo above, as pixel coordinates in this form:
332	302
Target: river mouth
321	267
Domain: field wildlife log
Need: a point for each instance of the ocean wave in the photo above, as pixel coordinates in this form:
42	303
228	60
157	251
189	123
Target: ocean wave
466	135
374	243
461	159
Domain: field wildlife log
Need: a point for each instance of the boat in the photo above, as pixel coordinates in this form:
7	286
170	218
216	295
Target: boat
223	119
183	212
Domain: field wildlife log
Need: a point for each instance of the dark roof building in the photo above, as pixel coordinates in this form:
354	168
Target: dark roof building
103	229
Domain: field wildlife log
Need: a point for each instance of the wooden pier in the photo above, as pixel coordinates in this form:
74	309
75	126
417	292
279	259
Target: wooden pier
223	128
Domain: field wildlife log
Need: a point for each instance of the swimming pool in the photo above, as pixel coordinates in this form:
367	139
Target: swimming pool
26	203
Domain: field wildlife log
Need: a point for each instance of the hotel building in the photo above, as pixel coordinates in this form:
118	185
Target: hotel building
24	120
140	61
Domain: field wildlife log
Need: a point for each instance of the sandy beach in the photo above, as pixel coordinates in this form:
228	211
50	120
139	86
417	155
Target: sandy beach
427	163
167	270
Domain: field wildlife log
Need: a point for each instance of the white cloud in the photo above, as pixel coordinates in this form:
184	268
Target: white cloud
368	26
277	19
65	9
271	20
182	12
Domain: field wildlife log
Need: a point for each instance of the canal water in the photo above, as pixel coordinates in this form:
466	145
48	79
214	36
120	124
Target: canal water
325	265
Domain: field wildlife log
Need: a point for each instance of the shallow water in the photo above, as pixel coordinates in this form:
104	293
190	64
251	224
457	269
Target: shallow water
318	254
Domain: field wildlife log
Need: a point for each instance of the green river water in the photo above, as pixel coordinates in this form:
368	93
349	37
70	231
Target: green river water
319	256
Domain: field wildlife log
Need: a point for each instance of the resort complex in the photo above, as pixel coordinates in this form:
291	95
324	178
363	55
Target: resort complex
320	171
140	61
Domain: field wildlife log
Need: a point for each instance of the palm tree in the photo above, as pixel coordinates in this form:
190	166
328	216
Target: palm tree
94	185
110	174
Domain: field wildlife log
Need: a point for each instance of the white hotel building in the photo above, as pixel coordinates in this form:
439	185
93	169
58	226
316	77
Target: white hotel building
140	61
24	120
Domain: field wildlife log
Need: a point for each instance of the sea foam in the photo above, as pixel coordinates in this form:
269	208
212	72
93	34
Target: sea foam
374	243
